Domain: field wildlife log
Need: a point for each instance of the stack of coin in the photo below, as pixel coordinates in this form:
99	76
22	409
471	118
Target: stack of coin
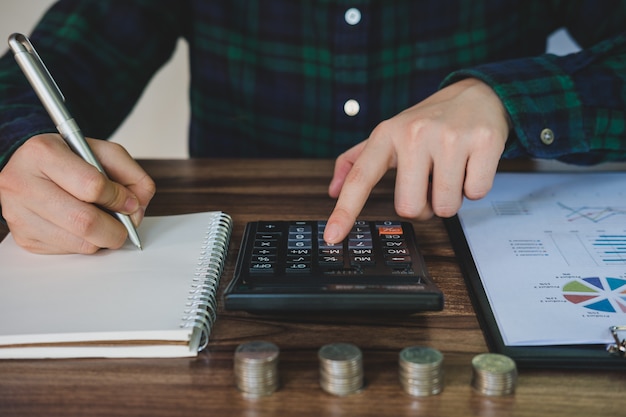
256	368
421	373
494	374
341	368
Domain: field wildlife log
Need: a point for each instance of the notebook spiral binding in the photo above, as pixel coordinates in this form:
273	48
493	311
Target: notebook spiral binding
201	308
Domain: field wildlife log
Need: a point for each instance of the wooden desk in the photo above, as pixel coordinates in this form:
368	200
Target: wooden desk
204	386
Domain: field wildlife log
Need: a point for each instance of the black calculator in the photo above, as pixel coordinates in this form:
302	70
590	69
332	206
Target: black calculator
287	266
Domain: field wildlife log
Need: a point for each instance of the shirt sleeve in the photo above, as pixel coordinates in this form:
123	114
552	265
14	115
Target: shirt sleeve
87	55
571	108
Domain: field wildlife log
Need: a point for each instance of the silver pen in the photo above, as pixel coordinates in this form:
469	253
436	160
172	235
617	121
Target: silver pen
53	100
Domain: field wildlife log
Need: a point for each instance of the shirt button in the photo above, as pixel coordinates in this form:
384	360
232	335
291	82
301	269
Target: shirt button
351	107
547	136
352	16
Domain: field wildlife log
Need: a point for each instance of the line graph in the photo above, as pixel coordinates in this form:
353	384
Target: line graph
594	214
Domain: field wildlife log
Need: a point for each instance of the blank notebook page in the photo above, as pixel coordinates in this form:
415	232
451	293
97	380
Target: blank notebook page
124	294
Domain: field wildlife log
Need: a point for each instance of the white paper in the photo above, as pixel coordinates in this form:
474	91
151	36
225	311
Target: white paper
550	249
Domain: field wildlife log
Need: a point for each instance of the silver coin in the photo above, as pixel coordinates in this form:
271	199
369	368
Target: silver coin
420	392
258	351
256	368
419	356
341	368
493	363
421	372
340	352
494	374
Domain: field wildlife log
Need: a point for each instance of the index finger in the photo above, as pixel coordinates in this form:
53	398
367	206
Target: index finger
367	170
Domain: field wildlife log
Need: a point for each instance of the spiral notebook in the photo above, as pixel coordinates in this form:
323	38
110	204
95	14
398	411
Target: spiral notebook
159	302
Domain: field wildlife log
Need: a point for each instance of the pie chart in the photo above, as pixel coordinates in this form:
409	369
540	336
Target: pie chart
605	294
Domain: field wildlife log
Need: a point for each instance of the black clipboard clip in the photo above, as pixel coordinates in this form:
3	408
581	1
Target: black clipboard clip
619	348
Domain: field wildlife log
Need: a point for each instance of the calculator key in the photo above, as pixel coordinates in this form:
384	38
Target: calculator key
390	230
360	236
298	259
362	251
362	260
323	245
398	261
262	268
334	261
391	237
263	258
267	227
300	228
334	251
396	251
299	251
299	235
388	223
299	268
266	243
264	251
299	244
360	244
266	236
360	229
394	244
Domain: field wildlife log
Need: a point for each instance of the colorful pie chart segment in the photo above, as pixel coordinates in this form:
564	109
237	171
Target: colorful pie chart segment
604	294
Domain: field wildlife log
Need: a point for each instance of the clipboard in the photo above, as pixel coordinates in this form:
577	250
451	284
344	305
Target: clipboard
611	355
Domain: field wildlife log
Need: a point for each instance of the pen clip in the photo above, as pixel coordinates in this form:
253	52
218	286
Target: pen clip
21	44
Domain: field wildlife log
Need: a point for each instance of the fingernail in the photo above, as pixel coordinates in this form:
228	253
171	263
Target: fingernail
131	204
331	233
138	216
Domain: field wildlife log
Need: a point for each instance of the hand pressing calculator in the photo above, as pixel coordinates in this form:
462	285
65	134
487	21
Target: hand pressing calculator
287	266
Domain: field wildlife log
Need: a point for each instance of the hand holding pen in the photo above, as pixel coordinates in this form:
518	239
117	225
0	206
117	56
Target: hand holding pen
45	188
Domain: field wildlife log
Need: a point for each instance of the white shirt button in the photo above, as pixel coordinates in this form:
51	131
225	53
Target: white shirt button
352	16
351	107
547	136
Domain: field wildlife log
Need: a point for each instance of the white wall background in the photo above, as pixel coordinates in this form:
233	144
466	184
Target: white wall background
157	128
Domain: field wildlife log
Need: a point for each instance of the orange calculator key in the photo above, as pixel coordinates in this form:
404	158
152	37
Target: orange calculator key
390	230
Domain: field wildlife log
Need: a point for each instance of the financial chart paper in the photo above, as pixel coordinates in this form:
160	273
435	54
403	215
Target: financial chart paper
550	249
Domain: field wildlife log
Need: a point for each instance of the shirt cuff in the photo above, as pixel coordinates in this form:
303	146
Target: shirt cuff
13	134
541	101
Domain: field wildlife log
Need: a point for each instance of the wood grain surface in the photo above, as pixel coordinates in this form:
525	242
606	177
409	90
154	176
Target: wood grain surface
204	386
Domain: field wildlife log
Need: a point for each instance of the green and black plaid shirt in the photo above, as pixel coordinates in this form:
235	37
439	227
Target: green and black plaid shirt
272	77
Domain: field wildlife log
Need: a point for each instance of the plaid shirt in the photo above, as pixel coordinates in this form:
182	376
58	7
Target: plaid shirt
271	77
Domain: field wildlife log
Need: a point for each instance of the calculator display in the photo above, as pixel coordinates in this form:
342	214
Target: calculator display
287	265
